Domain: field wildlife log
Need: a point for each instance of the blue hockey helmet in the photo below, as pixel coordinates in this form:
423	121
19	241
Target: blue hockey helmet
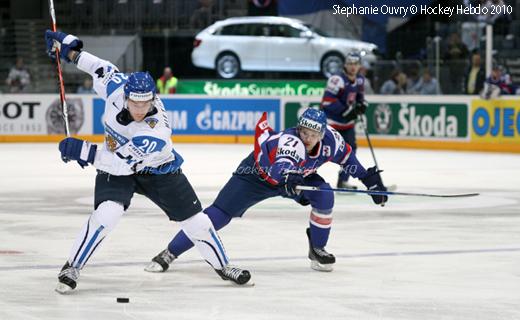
353	57
140	87
313	119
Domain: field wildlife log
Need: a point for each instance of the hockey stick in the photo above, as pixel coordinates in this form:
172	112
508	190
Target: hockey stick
369	142
365	128
64	108
387	193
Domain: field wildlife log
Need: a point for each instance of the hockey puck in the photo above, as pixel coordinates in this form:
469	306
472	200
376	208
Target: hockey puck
123	300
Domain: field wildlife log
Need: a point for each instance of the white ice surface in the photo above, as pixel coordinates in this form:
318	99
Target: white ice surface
416	258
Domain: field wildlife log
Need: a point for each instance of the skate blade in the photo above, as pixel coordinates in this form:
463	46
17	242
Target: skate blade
315	265
250	283
154	267
62	288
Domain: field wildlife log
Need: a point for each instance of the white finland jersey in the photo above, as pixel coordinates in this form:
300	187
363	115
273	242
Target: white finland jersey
129	146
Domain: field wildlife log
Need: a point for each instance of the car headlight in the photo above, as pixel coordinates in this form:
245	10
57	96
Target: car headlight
362	53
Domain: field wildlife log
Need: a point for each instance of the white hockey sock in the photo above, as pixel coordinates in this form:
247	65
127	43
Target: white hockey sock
201	232
100	223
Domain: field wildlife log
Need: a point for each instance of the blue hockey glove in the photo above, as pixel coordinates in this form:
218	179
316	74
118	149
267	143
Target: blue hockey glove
373	181
64	42
75	149
288	185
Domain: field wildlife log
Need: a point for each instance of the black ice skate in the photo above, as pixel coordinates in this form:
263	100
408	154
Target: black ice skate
67	278
161	262
235	274
321	260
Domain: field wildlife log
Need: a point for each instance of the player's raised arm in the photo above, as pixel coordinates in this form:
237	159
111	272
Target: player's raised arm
105	75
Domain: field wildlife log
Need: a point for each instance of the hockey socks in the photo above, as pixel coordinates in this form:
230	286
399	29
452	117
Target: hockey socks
181	243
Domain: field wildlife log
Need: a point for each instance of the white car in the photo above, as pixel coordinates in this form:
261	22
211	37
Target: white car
272	44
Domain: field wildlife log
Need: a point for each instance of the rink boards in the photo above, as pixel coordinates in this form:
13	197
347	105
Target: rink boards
432	122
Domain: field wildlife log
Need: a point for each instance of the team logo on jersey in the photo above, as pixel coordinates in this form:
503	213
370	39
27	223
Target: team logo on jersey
334	84
111	143
383	118
326	151
151	122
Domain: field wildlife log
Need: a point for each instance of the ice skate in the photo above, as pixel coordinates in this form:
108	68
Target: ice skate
235	274
161	262
321	260
67	279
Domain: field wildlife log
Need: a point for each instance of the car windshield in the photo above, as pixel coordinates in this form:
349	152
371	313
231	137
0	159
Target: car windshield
318	31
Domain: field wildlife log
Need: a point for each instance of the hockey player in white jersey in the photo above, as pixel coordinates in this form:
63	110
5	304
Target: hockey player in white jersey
137	156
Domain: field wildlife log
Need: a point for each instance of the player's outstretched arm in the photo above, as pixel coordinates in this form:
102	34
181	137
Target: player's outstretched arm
349	162
372	180
68	45
70	49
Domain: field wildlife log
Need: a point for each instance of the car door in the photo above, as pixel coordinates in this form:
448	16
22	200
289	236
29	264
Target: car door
248	41
288	49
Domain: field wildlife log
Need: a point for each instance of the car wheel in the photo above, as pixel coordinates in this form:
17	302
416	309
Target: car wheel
331	64
228	66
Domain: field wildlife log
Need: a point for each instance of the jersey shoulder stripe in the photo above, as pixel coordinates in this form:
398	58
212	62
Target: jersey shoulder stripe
117	80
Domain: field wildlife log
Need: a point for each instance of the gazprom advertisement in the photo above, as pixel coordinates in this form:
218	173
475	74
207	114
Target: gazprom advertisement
210	116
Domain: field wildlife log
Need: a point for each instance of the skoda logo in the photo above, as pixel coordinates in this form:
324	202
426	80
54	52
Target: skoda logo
383	118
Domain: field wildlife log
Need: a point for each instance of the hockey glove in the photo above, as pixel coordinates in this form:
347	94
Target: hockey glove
75	149
64	42
360	107
288	185
373	182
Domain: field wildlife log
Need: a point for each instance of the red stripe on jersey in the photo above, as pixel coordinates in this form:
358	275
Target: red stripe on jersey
272	155
349	150
322	221
330	99
342	127
261	127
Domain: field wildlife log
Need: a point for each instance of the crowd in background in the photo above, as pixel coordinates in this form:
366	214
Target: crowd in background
462	70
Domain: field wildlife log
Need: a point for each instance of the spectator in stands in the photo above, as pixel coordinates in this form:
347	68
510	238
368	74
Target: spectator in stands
396	84
363	70
474	78
86	87
167	83
202	16
455	48
498	83
426	85
19	78
412	79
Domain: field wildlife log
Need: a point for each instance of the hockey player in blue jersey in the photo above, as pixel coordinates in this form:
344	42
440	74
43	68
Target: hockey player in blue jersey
137	156
343	101
280	162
